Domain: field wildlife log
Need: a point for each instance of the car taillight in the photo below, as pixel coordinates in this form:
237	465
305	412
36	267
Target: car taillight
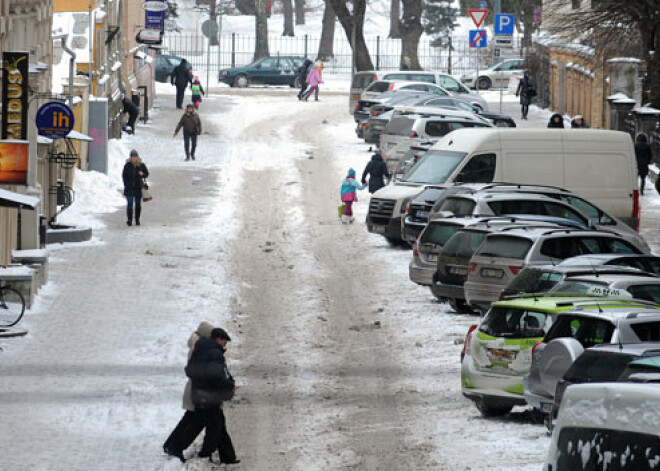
414	134
515	270
468	340
408	208
636	208
391	87
357	107
375	113
534	349
472	266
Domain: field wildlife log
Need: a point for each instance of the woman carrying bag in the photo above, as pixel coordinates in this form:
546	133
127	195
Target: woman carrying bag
134	175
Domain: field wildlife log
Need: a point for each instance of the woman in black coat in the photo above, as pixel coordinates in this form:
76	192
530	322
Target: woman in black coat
377	171
133	175
644	156
556	121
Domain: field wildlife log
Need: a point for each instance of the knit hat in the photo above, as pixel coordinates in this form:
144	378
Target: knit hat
351	172
134	153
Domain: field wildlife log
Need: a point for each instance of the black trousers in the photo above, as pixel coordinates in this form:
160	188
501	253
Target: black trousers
303	87
189	139
180	93
184	433
216	437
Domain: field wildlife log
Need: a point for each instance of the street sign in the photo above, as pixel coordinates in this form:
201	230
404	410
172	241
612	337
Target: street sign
503	41
537	14
155	19
504	24
477	38
154	5
210	29
54	119
478	16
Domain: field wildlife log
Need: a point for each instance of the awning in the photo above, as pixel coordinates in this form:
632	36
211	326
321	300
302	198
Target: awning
78	136
10	199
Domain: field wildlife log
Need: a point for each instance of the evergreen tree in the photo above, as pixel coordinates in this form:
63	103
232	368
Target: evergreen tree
439	17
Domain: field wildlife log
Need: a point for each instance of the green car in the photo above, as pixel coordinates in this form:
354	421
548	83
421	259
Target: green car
279	70
497	354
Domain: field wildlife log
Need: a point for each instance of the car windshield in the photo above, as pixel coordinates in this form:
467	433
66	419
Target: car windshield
505	247
463	244
458	206
378	87
514	323
438	233
533	280
589	331
434	167
594	366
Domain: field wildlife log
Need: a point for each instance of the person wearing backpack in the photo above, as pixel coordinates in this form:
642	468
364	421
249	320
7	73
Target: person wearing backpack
197	92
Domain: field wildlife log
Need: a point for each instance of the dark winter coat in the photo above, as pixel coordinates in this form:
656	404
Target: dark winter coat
644	156
133	180
526	90
190	123
552	124
377	171
181	75
575	125
211	382
304	70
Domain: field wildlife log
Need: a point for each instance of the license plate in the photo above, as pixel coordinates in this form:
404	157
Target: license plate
499	354
422	214
378	229
492	273
457	270
356	97
546	408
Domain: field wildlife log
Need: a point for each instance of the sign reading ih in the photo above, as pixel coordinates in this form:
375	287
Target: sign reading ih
54	119
504	24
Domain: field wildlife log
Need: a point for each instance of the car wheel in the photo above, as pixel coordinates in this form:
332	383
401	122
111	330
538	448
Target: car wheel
490	409
501	124
459	306
437	294
296	82
484	83
241	81
394	242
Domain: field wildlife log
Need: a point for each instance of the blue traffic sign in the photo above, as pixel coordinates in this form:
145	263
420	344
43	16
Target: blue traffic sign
504	24
477	38
54	119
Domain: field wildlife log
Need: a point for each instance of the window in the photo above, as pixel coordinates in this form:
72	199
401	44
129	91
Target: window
362	81
646	331
419	87
559	210
422	78
438	234
396	77
463	244
399	126
586	330
437	128
560	247
617	246
653	266
480	169
514	323
588	209
514	207
533	280
598	367
458	206
434	167
449	83
269	63
649	292
505	247
378	87
436	91
439	102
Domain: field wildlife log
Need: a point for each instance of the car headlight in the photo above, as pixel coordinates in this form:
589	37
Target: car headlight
223	73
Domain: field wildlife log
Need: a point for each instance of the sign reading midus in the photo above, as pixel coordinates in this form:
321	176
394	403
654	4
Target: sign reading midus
14	95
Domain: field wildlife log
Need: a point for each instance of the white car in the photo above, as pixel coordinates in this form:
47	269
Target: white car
380	86
497	75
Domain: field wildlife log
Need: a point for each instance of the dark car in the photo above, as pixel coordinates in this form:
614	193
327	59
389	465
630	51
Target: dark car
456	103
646	262
279	70
165	64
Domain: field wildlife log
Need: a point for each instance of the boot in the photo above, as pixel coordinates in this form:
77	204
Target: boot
137	216
344	219
129	216
351	219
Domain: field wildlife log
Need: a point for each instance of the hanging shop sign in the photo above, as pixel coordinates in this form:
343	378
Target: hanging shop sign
55	120
15	95
155	19
154	5
13	162
149	36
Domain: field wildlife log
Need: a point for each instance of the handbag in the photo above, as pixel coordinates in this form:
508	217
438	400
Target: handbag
341	209
210	397
146	196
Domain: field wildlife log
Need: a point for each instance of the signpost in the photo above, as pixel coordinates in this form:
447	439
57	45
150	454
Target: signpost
477	38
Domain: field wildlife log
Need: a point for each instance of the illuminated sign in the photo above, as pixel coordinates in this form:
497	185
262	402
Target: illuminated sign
14	95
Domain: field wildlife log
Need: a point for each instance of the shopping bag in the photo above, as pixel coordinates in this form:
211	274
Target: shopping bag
341	209
146	196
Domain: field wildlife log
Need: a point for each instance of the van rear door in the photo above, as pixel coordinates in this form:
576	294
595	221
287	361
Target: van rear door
361	80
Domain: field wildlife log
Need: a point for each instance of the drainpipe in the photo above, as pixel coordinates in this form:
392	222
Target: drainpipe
72	61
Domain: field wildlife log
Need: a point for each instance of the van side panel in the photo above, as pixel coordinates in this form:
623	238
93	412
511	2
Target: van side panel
533	161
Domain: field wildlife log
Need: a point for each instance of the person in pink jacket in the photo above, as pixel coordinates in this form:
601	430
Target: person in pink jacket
313	79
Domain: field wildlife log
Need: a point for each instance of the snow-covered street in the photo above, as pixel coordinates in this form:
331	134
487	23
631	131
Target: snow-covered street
342	362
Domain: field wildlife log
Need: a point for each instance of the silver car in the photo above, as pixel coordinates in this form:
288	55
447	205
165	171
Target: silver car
497	75
625	286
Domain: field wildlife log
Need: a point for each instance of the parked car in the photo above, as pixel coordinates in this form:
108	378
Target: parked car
497	75
635	321
543	278
359	82
380	114
165	65
380	86
642	287
459	103
503	255
276	70
646	262
607	427
446	81
644	370
497	353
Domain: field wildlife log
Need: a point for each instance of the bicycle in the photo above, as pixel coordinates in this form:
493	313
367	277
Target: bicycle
12	306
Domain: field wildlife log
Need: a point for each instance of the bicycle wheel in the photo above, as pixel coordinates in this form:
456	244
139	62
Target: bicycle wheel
12	306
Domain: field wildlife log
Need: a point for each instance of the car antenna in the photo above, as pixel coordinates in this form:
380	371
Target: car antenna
619	336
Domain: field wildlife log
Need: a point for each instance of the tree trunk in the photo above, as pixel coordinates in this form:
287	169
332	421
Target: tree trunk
395	19
651	48
528	24
261	30
354	22
288	18
411	31
246	7
326	45
300	12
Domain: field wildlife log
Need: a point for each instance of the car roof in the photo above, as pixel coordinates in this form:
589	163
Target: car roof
614	277
629	348
550	302
504	196
536	232
605	257
635	309
586	269
432	112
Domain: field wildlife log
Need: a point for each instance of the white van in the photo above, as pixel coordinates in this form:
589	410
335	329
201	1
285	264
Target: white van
595	164
607	426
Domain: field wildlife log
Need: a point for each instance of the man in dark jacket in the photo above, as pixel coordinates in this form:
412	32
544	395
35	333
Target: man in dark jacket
132	110
526	91
556	121
211	385
644	156
133	175
302	77
192	127
377	171
181	77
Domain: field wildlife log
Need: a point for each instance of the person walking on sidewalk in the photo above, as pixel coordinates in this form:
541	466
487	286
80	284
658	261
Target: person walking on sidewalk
212	384
644	157
526	91
134	175
314	79
192	127
197	92
302	77
181	77
377	171
349	187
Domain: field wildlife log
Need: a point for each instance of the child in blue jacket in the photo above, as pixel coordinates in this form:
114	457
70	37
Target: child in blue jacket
349	187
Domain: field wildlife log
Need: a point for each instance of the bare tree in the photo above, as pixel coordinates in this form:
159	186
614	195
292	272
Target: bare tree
288	18
411	31
352	20
326	45
300	12
395	19
261	30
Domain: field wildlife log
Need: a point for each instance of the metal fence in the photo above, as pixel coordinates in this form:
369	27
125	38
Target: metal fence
236	50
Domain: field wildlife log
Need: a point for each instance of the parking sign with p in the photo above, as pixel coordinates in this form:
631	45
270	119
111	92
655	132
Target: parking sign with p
504	24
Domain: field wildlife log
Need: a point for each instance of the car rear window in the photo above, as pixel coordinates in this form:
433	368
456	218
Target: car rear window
399	126
591	287
571	246
650	292
378	87
514	323
438	233
458	206
586	448
533	280
598	366
589	331
505	247
463	243
362	81
646	331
